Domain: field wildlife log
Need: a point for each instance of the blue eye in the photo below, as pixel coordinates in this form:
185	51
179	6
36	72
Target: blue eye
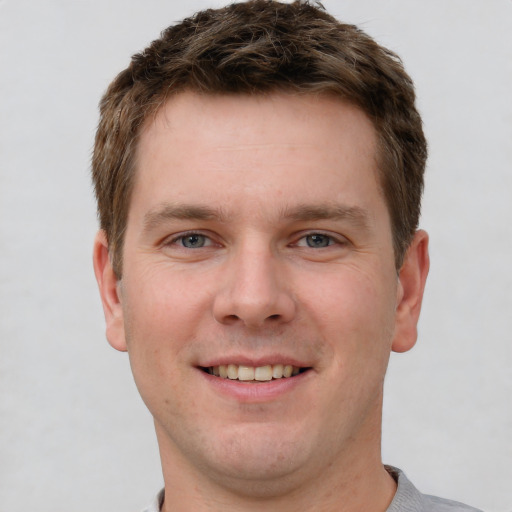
318	240
193	241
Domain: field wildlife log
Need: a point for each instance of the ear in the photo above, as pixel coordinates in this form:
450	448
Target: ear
411	284
109	290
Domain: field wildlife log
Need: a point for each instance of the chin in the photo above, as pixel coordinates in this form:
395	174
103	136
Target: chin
262	475
258	460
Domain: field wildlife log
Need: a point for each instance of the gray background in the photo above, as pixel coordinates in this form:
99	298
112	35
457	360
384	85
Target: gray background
75	436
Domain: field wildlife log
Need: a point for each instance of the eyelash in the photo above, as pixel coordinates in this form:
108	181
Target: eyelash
176	240
331	240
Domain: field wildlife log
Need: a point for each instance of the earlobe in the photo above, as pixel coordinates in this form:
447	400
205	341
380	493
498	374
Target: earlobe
412	277
108	285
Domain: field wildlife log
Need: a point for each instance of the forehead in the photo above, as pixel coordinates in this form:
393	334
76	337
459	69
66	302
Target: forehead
266	148
257	117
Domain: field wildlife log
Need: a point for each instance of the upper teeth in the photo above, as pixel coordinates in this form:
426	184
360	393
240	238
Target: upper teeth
259	373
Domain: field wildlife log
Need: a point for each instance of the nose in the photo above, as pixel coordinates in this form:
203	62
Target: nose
254	291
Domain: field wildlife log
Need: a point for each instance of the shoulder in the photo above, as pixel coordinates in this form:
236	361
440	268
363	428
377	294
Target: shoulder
442	505
409	499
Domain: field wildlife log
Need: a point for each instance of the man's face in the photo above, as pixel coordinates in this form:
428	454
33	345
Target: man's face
258	239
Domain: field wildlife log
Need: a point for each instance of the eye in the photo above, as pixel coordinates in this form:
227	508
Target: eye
316	241
193	241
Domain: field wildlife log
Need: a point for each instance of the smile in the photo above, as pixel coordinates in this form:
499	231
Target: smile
254	373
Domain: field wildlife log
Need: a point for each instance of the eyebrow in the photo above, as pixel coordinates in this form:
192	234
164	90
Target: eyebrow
354	214
301	213
168	212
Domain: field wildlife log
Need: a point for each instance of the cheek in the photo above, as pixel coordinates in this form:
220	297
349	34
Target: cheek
353	309
160	319
166	301
162	312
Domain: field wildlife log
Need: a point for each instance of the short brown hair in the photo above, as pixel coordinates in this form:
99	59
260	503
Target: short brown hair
256	47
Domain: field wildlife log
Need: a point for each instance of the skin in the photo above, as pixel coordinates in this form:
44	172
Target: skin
293	261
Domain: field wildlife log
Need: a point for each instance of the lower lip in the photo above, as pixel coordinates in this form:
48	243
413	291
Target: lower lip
250	392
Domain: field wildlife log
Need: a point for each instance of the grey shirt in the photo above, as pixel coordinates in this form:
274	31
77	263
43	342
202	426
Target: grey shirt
407	499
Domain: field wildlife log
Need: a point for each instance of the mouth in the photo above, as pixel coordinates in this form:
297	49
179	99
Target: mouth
254	374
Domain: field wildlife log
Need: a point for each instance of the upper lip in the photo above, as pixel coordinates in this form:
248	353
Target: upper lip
244	360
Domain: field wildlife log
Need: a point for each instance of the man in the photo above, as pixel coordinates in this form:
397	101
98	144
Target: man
258	171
